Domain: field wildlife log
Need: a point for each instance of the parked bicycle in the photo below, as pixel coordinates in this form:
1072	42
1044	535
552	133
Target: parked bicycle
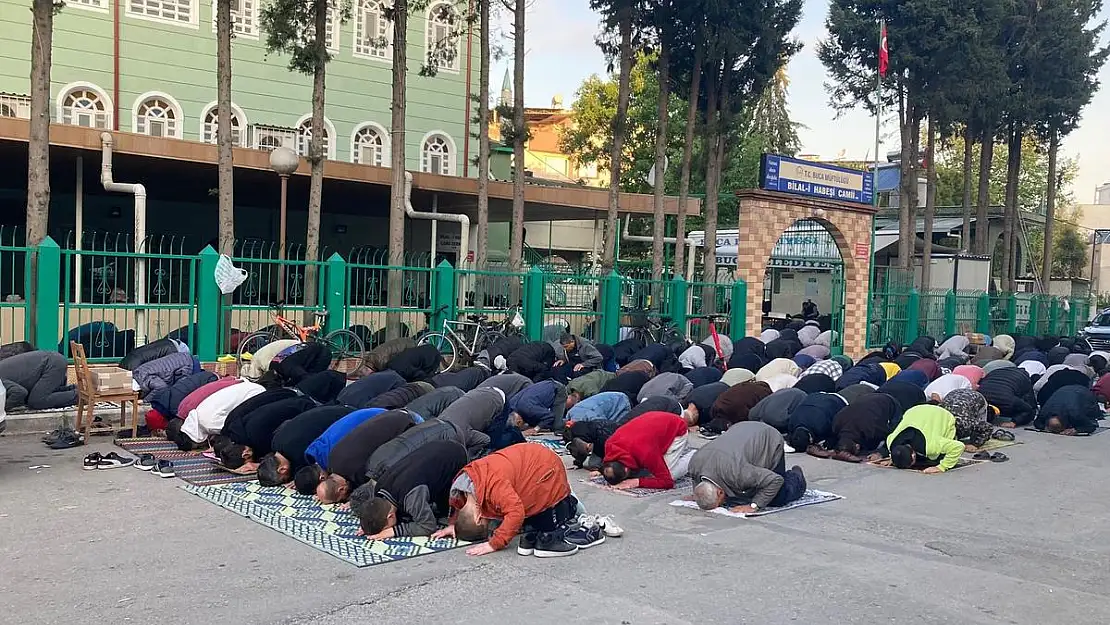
460	342
654	328
348	352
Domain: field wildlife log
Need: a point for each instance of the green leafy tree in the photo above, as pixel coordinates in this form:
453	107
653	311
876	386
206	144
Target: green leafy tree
770	118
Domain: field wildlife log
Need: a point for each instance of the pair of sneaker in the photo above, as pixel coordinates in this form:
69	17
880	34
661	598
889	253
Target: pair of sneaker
111	460
161	468
63	438
589	531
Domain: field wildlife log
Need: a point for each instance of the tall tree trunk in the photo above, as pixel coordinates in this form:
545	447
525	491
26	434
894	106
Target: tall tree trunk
660	165
907	185
713	191
520	134
982	226
687	157
483	138
1013	172
38	145
609	260
225	162
397	168
1049	210
969	148
930	205
712	167
316	156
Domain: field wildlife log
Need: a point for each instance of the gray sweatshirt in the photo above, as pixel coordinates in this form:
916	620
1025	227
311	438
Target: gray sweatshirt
740	462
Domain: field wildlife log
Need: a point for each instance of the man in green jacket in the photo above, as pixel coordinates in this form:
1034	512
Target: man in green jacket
586	386
926	435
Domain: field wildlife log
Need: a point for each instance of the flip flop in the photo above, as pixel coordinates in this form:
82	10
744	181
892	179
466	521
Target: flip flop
999	457
1003	435
982	455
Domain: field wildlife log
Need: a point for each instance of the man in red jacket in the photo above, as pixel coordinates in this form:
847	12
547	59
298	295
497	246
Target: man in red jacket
655	443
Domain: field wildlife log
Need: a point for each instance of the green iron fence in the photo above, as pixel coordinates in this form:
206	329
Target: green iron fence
933	315
367	310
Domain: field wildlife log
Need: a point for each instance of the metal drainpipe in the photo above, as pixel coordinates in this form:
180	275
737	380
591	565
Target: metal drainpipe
459	218
690	246
139	191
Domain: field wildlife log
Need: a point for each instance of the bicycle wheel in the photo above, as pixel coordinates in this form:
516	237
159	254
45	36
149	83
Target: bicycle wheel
348	352
671	334
489	338
248	346
447	349
643	334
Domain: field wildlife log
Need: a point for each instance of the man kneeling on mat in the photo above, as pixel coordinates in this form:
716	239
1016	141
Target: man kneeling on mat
746	463
654	443
925	437
526	487
413	494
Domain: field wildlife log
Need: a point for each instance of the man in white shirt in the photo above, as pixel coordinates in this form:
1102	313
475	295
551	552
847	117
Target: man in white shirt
209	416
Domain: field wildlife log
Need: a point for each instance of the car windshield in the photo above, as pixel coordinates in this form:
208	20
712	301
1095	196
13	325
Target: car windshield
1102	319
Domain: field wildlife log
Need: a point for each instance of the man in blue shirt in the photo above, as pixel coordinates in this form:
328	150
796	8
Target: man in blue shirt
308	477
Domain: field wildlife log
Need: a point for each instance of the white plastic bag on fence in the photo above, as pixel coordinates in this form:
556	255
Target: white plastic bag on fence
228	276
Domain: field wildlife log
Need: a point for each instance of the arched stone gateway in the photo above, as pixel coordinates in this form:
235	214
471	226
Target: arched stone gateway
766	215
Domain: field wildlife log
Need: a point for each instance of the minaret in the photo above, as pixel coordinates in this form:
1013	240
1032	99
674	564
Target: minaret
506	90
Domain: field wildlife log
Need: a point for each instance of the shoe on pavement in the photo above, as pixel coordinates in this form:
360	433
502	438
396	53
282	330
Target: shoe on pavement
585	536
91	461
527	544
114	461
54	435
164	468
146	462
607	524
67	440
553	545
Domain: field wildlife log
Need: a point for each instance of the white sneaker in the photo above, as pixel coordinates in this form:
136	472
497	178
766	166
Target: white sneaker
787	449
606	523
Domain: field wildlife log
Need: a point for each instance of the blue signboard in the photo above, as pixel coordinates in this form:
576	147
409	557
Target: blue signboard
791	175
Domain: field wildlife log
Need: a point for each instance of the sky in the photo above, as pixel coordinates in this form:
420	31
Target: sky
561	53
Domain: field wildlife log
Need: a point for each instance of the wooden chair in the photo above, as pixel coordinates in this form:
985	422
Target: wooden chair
88	396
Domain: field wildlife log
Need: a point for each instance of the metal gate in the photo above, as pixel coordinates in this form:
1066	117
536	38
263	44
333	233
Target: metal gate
807	246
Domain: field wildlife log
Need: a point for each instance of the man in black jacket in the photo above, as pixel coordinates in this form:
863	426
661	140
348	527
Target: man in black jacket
1011	391
1071	410
247	435
412	495
532	360
417	363
576	356
347	459
587	442
365	390
400	396
468	379
292	439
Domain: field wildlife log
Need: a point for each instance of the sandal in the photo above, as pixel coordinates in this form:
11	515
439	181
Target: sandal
1003	435
999	457
982	455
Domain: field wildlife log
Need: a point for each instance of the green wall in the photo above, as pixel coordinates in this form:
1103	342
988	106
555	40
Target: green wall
180	61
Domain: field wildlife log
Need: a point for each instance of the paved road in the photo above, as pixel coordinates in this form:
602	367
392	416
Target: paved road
1023	542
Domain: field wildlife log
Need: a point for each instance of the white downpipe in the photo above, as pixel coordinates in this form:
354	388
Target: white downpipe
690	245
459	218
139	191
79	211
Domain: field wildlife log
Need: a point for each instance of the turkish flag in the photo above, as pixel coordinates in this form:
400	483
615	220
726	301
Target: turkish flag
884	53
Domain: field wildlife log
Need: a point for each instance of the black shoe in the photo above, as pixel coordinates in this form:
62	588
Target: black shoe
54	435
553	545
146	462
585	536
67	440
114	461
91	461
527	544
164	468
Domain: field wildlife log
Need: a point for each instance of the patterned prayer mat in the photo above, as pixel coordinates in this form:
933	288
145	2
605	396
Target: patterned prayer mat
553	444
1098	431
812	497
324	527
191	466
600	482
963	462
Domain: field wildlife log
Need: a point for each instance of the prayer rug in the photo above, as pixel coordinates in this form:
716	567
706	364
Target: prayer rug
600	482
994	444
1098	431
192	466
812	497
324	527
553	444
961	463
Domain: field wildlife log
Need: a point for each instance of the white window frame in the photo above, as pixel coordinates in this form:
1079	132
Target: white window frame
194	10
245	28
236	113
302	144
356	146
282	136
384	54
453	154
178	127
334	34
102	95
429	43
99	6
18	104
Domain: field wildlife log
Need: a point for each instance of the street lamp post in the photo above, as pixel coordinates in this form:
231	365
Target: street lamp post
284	162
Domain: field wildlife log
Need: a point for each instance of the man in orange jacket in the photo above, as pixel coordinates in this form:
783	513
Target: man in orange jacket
525	487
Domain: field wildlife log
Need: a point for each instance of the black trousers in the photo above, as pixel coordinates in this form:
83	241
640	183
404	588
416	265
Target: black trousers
554	517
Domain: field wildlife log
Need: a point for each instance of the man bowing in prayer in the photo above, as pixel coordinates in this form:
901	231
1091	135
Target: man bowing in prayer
745	464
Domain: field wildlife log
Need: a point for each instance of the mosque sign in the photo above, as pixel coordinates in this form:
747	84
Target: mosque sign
791	175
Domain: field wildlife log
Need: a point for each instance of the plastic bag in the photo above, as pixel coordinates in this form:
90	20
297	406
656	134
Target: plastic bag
228	276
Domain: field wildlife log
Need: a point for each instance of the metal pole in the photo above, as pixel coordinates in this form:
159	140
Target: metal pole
79	208
281	236
435	229
875	187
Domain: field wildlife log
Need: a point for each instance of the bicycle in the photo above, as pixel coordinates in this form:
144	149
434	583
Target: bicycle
468	338
721	362
654	328
348	352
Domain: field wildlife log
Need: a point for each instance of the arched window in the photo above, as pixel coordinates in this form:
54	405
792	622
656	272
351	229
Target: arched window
438	155
158	115
85	105
369	146
442	38
373	32
210	122
304	138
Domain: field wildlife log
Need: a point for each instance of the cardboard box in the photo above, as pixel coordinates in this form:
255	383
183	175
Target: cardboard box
111	379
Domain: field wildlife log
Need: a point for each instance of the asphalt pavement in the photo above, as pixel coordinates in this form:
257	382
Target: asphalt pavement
1026	541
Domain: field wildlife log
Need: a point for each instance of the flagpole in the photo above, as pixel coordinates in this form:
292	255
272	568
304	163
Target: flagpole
875	183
